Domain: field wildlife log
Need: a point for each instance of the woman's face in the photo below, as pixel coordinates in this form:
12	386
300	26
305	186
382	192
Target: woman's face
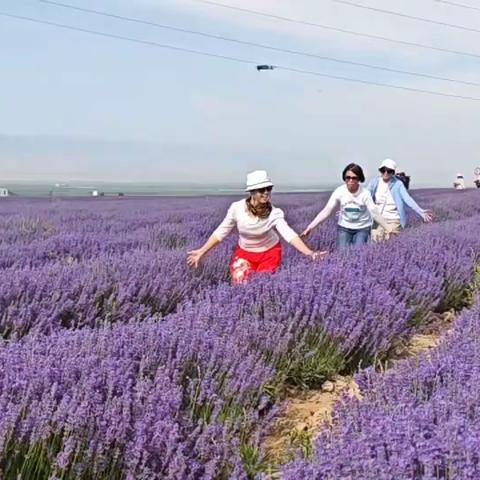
352	181
262	195
386	173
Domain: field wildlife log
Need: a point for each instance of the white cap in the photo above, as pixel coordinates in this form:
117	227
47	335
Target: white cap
459	175
258	179
388	163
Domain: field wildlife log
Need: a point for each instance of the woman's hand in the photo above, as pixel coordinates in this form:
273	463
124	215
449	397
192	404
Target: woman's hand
318	255
428	216
306	233
390	230
194	257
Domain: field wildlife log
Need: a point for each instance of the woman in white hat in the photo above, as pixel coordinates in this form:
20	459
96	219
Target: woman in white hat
391	197
257	221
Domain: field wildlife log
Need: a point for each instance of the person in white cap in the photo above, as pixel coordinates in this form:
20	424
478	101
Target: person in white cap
356	210
459	183
257	221
391	197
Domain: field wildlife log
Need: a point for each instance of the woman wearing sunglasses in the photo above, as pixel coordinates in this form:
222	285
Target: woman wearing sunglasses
391	197
356	210
257	222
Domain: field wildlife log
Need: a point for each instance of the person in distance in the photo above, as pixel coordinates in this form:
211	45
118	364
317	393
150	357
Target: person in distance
257	221
356	210
391	197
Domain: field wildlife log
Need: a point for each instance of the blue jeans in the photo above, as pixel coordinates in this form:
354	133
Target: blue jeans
351	236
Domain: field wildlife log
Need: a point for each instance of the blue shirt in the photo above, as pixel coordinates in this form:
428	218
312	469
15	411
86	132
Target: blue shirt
400	195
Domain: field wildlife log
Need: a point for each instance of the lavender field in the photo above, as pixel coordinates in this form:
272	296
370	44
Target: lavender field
117	361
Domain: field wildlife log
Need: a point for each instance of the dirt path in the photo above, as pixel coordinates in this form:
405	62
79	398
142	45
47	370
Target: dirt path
307	411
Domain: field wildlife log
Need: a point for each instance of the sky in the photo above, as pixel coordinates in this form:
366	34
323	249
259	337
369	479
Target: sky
76	106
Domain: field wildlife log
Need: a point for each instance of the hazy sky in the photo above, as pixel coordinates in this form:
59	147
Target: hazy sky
77	106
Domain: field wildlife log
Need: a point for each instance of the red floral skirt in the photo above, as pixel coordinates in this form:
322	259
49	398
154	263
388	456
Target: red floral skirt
243	263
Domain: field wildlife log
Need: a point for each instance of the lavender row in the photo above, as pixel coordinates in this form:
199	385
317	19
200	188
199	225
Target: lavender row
105	290
83	263
421	421
39	232
138	401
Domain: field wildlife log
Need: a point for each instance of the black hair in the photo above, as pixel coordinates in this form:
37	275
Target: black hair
356	169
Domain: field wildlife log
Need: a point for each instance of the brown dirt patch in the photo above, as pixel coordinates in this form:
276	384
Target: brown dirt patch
304	414
439	324
421	343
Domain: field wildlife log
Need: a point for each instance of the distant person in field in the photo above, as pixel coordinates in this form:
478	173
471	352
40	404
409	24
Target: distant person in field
459	183
391	197
477	177
257	221
356	210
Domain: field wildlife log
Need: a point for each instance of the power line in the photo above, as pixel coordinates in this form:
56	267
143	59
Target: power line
336	29
377	84
128	39
455	4
234	59
255	44
405	15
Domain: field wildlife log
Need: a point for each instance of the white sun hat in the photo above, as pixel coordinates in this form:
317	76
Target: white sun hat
388	163
258	179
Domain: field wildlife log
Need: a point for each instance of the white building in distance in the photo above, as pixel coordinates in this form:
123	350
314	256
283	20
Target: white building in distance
4	192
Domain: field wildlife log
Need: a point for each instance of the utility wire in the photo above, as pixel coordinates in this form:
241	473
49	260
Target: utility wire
405	15
254	44
234	59
128	39
455	4
335	29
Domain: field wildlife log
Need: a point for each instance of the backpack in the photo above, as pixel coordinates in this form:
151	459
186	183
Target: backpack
405	179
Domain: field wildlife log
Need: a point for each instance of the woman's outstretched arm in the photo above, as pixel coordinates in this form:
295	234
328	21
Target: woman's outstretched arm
194	256
323	215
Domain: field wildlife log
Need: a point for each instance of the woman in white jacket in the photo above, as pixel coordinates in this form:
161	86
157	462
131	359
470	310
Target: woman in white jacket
257	221
357	210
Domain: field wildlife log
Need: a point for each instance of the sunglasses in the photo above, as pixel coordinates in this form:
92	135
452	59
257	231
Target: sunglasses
264	189
352	178
386	170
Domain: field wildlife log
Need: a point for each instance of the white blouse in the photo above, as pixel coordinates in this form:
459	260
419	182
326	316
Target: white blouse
255	234
356	209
